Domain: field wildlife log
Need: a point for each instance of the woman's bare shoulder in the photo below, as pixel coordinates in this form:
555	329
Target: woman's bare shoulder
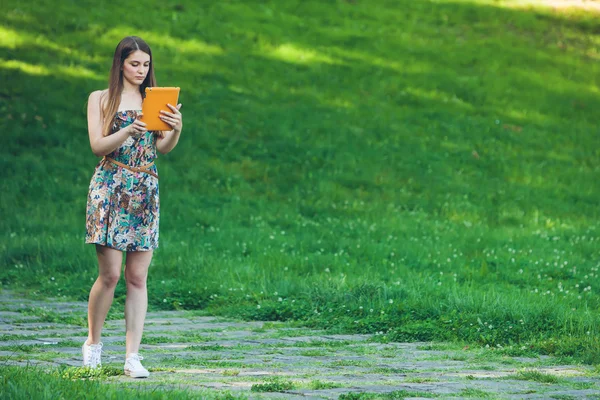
98	97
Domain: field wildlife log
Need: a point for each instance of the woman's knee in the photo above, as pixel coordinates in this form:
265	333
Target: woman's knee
135	280
136	268
110	279
109	265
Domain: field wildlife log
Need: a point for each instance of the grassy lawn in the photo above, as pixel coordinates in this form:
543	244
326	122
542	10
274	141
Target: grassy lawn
32	383
424	170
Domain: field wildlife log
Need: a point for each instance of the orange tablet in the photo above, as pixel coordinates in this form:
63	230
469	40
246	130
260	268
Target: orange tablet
157	99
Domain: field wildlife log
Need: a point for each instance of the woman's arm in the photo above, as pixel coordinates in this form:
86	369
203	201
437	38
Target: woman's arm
103	145
169	141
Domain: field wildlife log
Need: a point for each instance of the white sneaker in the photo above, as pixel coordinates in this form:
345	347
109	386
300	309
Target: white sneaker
133	366
91	355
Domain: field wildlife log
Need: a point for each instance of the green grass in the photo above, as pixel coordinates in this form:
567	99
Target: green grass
395	395
314	353
275	385
214	347
31	383
320	385
46	315
350	363
417	169
474	393
421	380
76	373
533	375
216	361
389	370
231	372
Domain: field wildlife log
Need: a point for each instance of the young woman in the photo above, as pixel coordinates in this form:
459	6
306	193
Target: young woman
123	204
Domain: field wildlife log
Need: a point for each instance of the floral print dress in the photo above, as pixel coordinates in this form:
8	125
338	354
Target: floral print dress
123	205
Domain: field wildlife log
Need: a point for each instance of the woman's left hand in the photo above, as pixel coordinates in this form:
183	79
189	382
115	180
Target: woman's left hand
174	118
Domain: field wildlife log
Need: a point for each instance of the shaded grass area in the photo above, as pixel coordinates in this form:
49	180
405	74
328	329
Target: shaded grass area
420	170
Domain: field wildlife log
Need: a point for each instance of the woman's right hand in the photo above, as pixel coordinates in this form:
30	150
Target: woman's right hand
137	127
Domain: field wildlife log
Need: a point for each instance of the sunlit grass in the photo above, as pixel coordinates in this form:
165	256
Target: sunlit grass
24	67
571	5
290	53
10	38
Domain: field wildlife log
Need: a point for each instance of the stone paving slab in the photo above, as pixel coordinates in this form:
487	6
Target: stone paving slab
183	350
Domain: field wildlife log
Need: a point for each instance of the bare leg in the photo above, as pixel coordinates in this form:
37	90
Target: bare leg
136	304
103	290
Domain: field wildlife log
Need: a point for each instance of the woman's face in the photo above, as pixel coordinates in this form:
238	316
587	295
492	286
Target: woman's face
135	67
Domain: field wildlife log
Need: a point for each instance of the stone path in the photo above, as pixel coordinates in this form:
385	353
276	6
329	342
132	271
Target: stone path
259	360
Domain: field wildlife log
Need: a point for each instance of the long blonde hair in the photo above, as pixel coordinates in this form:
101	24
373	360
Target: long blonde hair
111	99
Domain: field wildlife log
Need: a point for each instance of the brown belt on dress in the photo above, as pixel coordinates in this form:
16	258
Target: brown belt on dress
144	168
